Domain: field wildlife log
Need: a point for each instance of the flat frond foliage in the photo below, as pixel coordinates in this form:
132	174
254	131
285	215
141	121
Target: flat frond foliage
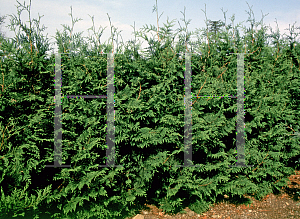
149	122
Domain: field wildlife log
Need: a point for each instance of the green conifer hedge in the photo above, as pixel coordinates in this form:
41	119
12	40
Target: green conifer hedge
149	121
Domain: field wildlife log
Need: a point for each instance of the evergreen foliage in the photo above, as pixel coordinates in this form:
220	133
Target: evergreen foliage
149	121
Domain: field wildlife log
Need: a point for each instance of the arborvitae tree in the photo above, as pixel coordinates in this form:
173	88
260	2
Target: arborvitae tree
215	26
149	125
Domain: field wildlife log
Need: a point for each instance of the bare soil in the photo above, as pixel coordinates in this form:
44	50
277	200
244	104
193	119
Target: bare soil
282	205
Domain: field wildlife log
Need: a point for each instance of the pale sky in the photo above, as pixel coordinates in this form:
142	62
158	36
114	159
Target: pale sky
123	14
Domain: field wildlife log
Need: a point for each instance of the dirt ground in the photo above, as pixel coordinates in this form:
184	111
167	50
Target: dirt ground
283	205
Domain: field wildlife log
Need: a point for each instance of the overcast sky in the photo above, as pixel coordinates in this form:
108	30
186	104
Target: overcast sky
123	14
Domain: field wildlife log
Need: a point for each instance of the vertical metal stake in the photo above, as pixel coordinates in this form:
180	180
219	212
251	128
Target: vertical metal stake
110	137
240	135
188	150
57	116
